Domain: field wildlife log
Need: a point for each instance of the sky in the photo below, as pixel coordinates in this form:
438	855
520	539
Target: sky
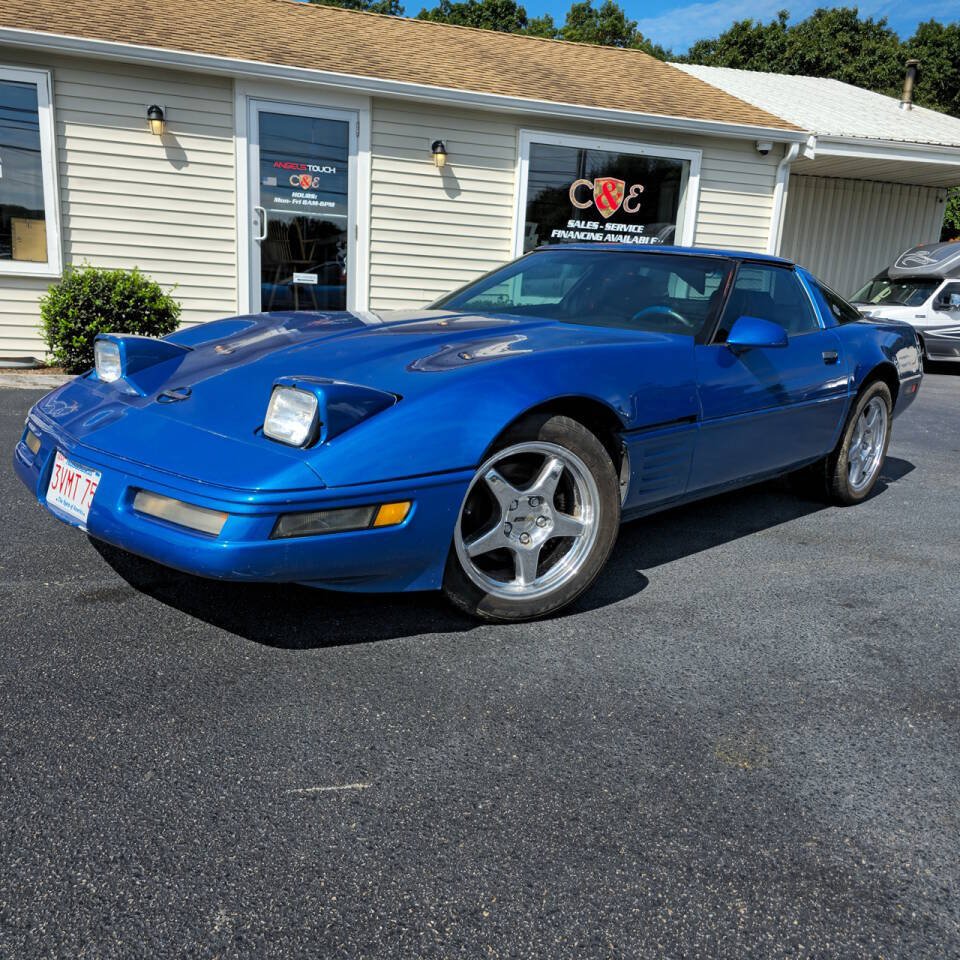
676	24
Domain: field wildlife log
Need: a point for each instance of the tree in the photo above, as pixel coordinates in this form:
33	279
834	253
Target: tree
746	45
542	27
937	47
505	16
829	43
606	25
392	7
951	217
839	44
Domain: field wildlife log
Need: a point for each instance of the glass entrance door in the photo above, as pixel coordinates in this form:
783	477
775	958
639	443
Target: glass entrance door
301	175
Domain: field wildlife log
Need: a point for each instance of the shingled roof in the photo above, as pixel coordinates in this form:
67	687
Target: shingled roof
285	33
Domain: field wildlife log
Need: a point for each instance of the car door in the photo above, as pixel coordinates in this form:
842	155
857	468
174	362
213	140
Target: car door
944	307
765	409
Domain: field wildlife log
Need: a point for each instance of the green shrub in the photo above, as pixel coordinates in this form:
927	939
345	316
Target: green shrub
89	300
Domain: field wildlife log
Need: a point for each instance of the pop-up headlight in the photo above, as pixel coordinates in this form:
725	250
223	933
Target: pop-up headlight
106	354
306	411
143	363
291	416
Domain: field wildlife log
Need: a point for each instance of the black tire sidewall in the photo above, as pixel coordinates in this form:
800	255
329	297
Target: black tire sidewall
573	436
838	475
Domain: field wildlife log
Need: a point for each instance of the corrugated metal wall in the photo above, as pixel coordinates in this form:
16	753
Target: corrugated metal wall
845	231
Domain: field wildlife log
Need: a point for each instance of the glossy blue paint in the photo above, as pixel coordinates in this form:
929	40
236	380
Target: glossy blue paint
340	406
766	408
146	362
752	332
413	401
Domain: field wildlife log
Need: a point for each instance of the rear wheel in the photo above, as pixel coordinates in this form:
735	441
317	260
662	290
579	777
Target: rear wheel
849	473
537	524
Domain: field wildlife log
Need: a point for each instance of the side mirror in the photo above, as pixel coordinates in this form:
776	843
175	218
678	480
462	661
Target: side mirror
750	332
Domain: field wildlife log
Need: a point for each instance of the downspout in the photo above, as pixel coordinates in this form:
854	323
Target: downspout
780	198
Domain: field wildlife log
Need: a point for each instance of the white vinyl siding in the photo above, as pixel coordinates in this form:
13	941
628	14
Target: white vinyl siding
131	199
20	316
433	230
846	231
168	205
736	196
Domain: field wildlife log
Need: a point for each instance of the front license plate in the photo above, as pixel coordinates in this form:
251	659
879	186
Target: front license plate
72	487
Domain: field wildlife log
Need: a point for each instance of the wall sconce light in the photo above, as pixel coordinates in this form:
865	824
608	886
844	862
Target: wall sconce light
439	151
155	118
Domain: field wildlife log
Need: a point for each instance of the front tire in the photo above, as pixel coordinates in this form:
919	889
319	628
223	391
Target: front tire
537	524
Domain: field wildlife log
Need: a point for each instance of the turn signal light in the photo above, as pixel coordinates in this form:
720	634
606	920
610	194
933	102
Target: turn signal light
314	523
391	514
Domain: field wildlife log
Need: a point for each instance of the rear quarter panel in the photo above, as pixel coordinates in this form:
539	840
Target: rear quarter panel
888	346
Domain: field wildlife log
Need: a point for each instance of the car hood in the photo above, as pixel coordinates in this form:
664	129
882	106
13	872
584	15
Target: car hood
224	382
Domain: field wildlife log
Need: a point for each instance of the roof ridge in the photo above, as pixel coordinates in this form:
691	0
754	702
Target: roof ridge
459	26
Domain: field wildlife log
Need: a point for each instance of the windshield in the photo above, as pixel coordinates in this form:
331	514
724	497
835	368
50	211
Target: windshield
881	291
658	293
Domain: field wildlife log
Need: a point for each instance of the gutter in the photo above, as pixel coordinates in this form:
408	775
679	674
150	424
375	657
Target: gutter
208	63
780	198
888	150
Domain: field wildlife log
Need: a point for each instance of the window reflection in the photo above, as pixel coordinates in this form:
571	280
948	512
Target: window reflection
23	233
304	190
578	194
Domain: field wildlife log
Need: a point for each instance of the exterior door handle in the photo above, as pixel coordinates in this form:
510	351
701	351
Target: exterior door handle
830	356
262	214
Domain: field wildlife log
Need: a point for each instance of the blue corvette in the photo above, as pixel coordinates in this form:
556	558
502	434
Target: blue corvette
489	445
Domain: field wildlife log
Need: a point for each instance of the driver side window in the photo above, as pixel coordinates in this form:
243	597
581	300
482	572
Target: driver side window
770	293
949	298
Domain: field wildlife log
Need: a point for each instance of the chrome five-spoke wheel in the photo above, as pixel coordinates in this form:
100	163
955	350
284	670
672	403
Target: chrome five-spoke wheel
537	523
868	444
528	522
849	473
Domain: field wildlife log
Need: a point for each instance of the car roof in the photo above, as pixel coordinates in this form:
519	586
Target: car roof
664	249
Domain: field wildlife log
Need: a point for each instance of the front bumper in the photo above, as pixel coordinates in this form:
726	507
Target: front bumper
409	556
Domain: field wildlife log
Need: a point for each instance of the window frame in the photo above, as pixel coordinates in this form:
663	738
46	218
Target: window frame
941	290
798	279
53	266
689	198
823	290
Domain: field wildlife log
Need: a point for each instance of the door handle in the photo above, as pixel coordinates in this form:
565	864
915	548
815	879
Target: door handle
830	356
262	214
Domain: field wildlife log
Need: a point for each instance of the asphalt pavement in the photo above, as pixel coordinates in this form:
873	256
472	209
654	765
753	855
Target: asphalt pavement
743	742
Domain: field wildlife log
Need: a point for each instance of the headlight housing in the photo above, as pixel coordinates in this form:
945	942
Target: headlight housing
106	354
291	416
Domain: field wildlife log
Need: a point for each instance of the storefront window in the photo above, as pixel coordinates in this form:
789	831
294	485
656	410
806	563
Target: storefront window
577	190
28	226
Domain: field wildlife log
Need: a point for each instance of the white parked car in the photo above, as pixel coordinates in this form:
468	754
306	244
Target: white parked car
922	286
